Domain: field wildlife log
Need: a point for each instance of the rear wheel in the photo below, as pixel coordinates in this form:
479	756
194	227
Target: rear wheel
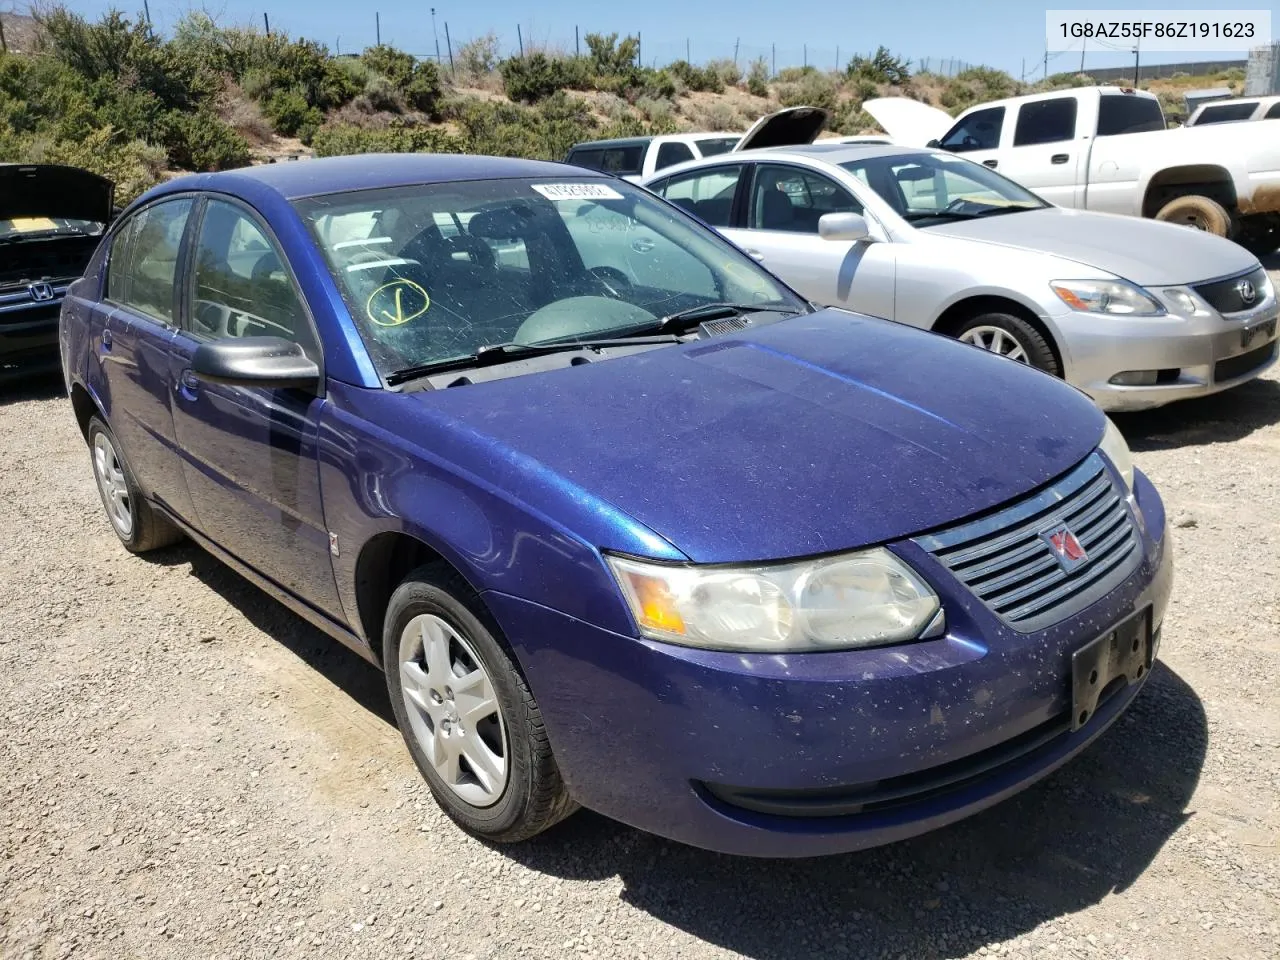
467	715
137	524
1197	212
1012	337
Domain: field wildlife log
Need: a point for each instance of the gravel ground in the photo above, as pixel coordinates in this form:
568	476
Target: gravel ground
191	771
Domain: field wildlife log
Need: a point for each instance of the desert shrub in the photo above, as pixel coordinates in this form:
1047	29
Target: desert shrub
396	65
479	57
864	89
880	67
696	78
609	55
653	110
716	115
758	78
535	77
795	74
134	166
811	90
202	141
289	111
730	73
244	117
337	141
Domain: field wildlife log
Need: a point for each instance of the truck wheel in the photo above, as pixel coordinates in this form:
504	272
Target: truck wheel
468	717
1011	337
1260	239
1201	213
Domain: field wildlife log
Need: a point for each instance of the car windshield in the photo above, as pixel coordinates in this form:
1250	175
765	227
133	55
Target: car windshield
932	188
713	146
434	273
47	226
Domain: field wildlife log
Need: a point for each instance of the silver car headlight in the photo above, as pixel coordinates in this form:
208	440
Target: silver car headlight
1187	302
1116	449
1115	297
858	599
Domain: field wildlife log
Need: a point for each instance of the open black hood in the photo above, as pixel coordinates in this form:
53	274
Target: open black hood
50	190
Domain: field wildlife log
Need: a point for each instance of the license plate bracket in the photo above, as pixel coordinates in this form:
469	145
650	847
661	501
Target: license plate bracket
1263	332
1124	651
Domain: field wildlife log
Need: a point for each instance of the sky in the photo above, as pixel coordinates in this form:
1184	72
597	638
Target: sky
1007	34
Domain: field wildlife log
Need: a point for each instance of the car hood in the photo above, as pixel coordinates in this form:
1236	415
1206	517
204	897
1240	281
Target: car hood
1146	252
50	190
821	433
790	127
909	122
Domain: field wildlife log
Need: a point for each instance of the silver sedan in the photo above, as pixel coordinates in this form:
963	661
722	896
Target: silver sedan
1136	313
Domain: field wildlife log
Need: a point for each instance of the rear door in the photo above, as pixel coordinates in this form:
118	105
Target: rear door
133	350
249	453
1042	152
779	227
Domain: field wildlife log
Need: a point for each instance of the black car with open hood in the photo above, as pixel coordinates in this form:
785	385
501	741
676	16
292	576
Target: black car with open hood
51	219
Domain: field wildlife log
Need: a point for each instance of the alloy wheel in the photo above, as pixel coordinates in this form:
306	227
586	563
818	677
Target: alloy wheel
997	340
109	472
453	710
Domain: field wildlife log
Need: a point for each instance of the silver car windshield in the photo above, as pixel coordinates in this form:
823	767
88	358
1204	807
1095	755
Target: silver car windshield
932	188
436	272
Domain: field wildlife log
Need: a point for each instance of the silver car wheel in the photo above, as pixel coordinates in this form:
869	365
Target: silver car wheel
996	340
112	484
453	710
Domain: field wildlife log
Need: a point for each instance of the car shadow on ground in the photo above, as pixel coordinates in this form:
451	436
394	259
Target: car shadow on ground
1088	831
1220	418
20	386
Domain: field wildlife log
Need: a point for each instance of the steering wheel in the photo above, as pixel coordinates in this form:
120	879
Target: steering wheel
615	282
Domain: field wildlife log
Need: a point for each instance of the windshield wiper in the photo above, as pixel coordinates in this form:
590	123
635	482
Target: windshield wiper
684	320
495	353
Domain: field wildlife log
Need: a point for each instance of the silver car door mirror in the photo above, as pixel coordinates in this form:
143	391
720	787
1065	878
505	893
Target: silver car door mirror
843	226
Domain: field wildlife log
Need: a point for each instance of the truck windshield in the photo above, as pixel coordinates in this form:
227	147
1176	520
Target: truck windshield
1126	113
931	188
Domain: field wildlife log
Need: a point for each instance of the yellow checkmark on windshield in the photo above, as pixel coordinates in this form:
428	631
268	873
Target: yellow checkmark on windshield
396	303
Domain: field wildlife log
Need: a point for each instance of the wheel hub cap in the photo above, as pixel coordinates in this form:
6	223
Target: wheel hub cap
109	473
453	710
997	340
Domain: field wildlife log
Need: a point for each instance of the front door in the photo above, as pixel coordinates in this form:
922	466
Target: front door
250	452
783	207
1045	156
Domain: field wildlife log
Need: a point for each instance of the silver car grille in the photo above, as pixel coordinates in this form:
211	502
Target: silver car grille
1006	559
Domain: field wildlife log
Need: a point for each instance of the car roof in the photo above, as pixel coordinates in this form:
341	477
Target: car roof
310	178
827	152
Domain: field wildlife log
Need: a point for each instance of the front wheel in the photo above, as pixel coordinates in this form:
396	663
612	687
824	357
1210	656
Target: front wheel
467	715
1012	337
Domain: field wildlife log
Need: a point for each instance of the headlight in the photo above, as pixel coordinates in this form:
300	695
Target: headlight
1114	297
1116	449
856	600
1187	303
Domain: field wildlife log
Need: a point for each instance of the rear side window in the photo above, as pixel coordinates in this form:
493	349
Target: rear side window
1120	113
144	259
713	146
707	194
591	159
622	161
980	130
1226	113
671	153
1045	121
1273	113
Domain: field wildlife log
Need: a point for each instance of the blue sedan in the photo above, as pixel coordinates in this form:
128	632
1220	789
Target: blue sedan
627	523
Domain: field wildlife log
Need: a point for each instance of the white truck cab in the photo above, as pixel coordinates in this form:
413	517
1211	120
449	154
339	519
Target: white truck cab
634	158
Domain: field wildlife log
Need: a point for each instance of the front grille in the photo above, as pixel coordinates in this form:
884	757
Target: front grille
1234	367
1006	560
1227	296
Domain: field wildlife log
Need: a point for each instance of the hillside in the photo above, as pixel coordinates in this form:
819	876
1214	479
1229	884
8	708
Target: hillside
113	96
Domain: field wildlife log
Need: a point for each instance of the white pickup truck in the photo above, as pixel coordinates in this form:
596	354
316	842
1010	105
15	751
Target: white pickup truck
1108	149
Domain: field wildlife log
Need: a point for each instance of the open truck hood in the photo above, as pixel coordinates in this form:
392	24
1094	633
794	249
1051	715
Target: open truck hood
53	191
786	128
909	122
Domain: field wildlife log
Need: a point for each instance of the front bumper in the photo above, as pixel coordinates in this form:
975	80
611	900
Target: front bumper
1196	356
649	733
29	327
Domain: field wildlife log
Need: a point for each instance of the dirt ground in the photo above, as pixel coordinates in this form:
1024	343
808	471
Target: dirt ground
188	770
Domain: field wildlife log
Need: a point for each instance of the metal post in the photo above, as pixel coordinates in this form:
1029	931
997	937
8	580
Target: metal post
453	74
146	8
773	48
639	53
1136	47
435	34
266	24
520	39
837	57
577	46
687	57
377	27
1046	65
1083	44
736	40
806	55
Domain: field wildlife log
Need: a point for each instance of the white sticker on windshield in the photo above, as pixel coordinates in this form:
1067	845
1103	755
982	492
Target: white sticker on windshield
577	191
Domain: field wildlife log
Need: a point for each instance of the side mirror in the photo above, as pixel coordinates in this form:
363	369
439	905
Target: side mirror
843	226
934	144
271	362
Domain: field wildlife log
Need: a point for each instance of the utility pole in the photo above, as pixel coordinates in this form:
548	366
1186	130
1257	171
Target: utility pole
1046	65
435	34
520	39
1083	44
266	24
377	27
453	74
577	46
146	8
1136	47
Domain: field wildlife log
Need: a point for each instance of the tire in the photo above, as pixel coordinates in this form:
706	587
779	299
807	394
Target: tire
1260	241
1200	213
993	331
435	609
138	525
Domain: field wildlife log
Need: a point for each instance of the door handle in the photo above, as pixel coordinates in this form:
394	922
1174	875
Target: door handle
1059	158
754	254
106	339
188	383
990	163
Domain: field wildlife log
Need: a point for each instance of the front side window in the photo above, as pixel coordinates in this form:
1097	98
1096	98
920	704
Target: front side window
1273	113
623	161
1045	121
707	194
671	153
791	199
932	188
714	146
591	159
1226	113
240	287
144	259
980	130
531	261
